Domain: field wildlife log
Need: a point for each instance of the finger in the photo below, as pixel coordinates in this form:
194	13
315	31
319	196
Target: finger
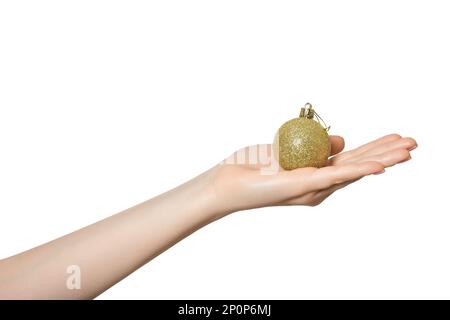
323	194
364	148
314	198
403	143
389	158
329	176
337	144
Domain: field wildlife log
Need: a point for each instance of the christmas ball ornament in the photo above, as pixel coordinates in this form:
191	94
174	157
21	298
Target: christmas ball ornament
303	141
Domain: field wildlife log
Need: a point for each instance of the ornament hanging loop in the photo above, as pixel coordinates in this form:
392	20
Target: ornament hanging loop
308	112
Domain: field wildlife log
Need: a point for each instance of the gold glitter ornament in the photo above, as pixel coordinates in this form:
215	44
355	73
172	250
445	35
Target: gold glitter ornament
303	141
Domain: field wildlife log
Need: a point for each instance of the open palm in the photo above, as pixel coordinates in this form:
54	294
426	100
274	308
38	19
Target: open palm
245	181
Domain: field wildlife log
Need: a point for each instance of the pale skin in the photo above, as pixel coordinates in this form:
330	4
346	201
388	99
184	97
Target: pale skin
111	249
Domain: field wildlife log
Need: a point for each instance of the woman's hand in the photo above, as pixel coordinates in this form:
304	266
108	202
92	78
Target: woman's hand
251	177
131	238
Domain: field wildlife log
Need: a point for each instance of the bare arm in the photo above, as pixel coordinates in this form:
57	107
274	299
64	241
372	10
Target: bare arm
108	250
111	249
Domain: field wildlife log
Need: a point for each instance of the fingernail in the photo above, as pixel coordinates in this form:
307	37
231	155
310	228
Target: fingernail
379	172
411	149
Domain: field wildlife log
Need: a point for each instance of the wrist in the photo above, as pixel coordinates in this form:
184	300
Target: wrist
192	204
210	204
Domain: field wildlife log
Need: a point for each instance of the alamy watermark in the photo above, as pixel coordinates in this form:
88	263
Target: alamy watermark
73	281
260	156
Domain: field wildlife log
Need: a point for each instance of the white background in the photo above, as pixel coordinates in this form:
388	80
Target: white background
104	104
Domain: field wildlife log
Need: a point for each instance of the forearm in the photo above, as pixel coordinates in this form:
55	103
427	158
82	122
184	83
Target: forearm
111	249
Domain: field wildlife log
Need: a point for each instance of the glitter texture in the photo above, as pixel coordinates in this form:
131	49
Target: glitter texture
301	142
